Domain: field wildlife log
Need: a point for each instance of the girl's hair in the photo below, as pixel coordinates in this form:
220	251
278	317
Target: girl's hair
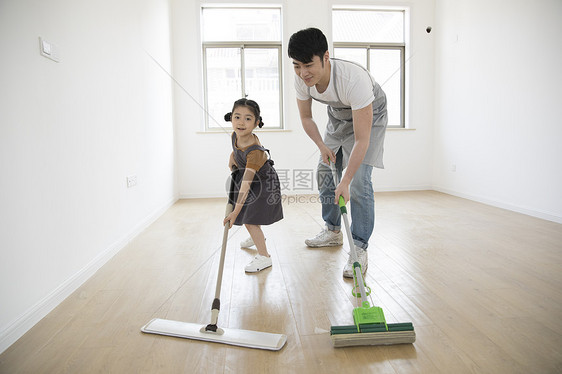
250	104
307	43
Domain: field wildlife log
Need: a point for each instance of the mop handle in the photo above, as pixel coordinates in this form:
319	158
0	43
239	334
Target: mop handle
343	211
229	209
359	277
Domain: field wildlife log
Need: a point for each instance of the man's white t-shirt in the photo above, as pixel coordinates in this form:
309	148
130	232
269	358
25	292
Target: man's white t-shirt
354	86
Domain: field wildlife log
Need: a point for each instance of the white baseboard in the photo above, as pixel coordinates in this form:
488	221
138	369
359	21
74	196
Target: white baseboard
402	188
36	313
498	204
202	195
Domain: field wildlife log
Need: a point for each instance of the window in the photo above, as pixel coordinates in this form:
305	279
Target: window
376	40
242	58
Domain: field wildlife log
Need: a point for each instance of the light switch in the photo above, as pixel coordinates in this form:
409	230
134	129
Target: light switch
48	50
46	47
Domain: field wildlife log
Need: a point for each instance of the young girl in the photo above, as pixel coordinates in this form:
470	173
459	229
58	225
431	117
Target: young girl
257	187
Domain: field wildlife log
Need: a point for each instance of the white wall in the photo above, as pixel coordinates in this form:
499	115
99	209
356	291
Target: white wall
408	152
70	133
498	112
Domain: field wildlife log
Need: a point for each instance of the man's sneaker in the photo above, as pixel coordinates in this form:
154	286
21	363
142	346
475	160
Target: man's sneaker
258	264
247	243
362	258
325	238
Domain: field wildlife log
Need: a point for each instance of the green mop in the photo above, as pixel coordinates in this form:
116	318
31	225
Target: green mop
370	326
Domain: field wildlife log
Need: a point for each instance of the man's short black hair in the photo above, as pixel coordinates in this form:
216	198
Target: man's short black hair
306	44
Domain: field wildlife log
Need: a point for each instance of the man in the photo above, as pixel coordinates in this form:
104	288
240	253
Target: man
354	136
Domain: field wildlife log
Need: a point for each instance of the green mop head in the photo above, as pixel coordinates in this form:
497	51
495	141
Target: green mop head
371	329
370	324
367	315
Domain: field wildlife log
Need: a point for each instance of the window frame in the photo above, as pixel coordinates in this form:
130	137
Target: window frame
242	45
368	46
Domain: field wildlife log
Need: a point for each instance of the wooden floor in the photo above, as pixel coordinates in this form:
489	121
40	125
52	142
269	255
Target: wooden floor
483	287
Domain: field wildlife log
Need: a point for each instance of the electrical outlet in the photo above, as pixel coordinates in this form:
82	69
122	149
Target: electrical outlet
131	181
453	168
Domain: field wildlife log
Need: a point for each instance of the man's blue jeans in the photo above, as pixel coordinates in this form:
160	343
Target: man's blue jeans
362	205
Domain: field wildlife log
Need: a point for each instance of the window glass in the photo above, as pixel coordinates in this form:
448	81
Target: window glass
262	82
223	82
358	55
368	26
385	67
241	24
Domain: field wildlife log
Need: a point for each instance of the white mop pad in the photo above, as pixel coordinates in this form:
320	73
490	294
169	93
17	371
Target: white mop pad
243	338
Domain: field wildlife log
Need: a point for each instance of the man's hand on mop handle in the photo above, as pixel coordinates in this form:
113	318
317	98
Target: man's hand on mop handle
341	191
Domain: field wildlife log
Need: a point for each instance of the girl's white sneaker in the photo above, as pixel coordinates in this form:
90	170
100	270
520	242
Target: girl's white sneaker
248	243
258	264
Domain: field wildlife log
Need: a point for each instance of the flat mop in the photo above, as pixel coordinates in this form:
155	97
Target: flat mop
211	332
370	326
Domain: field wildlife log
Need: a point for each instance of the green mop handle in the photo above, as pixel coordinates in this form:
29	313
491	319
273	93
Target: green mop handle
358	274
343	209
356	266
